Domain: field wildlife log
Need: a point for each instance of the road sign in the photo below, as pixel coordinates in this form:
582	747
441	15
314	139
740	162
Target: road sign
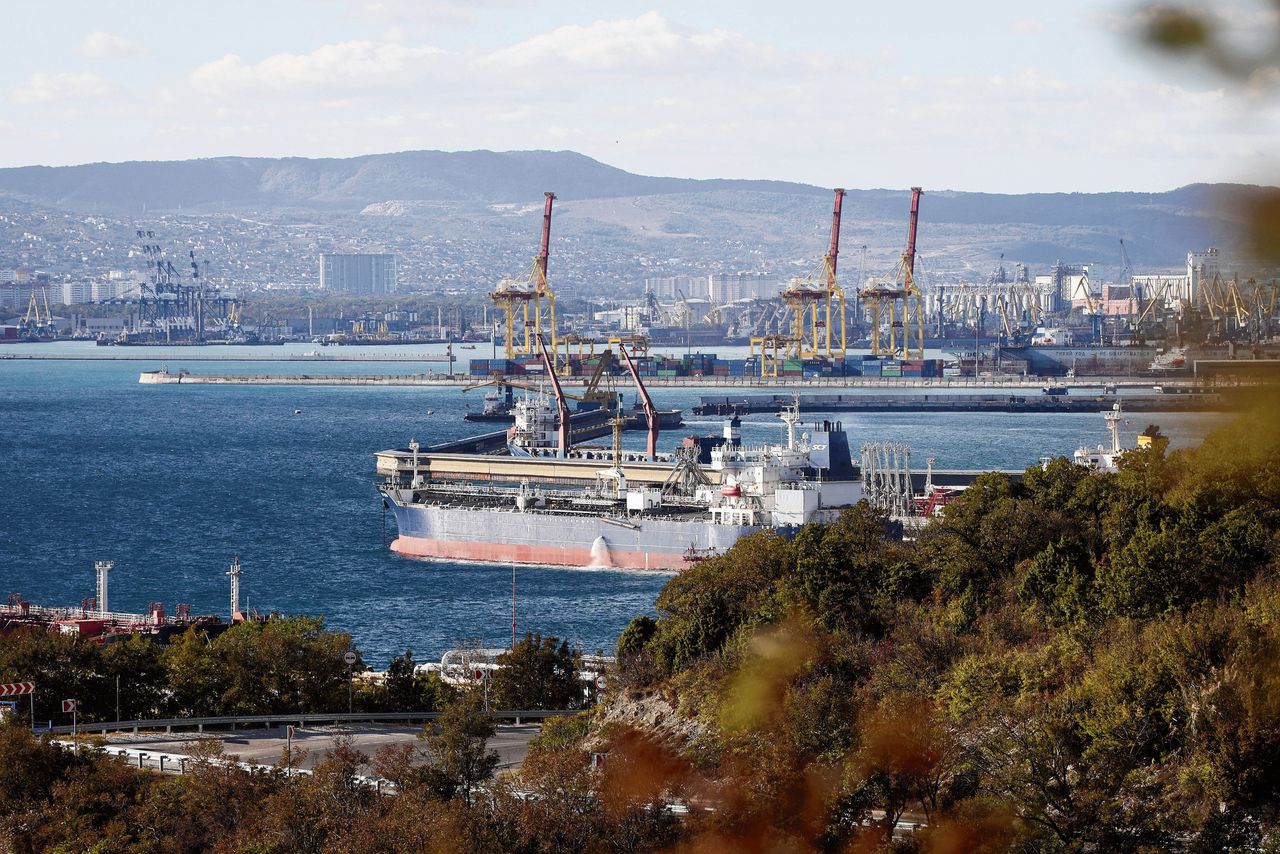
290	731
68	706
17	689
349	658
600	682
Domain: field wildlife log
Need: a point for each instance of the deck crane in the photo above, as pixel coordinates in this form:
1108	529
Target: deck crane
561	407
650	411
512	297
591	393
882	300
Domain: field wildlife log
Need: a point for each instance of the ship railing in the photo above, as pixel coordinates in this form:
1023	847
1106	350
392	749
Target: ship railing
443	490
72	614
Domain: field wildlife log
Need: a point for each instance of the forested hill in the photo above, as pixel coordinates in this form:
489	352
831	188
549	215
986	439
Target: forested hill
1159	228
1079	661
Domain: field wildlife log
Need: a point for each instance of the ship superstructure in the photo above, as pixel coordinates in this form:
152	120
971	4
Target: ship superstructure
1106	459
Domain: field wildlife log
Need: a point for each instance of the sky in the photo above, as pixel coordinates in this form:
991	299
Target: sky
1003	96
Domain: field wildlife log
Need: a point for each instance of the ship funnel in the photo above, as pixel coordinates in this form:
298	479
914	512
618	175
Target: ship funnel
600	554
733	431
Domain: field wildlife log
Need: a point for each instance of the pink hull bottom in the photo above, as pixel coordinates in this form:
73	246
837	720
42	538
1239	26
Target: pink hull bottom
543	555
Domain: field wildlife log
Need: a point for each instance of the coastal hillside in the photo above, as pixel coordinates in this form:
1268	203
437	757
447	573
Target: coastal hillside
1079	661
438	190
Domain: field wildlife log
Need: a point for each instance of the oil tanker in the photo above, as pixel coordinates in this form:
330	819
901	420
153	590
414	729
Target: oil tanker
609	508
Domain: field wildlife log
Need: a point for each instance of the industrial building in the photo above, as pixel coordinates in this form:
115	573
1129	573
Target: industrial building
719	288
372	273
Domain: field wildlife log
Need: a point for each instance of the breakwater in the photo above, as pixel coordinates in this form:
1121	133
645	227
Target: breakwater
164	377
722	405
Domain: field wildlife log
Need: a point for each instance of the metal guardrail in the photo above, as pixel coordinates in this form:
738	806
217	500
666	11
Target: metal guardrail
237	721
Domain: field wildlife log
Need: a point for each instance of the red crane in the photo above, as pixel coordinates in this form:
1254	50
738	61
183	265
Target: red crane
541	272
834	252
561	404
650	411
910	256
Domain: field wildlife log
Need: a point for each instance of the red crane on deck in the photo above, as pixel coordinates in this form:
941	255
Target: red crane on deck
650	411
561	404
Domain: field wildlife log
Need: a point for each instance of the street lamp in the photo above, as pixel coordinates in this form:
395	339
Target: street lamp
350	659
117	698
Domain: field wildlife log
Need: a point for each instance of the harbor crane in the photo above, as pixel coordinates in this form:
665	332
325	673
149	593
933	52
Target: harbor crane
524	299
882	298
810	300
36	323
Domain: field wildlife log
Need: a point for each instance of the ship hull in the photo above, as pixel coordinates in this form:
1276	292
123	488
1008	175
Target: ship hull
512	536
1088	361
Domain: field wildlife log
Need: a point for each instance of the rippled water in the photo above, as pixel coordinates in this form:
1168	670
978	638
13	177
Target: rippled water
171	481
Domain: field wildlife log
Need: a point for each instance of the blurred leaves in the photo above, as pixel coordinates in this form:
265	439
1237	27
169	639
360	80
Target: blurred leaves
1182	30
1249	59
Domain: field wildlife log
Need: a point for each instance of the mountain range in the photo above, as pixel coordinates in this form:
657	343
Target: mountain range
958	227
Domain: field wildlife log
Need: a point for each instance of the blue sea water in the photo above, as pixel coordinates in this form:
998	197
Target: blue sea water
171	482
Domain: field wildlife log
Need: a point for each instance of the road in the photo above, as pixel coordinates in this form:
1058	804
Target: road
266	746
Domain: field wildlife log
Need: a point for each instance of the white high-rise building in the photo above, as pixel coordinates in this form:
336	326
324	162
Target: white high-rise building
372	273
1201	267
75	293
730	287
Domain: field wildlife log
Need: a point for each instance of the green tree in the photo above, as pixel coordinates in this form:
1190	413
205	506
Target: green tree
537	673
704	606
196	678
138	665
838	569
458	744
401	689
62	666
1060	580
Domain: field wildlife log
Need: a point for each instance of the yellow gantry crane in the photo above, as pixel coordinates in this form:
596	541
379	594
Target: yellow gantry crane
891	332
810	299
817	307
523	300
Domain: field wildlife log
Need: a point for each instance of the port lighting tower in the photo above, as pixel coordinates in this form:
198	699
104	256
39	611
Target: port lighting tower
234	572
810	299
103	567
882	298
514	299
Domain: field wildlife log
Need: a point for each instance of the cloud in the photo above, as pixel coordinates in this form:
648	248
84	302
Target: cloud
645	40
649	42
648	93
1027	26
46	87
640	49
346	65
100	45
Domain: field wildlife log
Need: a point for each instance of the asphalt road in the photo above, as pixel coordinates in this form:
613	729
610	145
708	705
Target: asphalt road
266	746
